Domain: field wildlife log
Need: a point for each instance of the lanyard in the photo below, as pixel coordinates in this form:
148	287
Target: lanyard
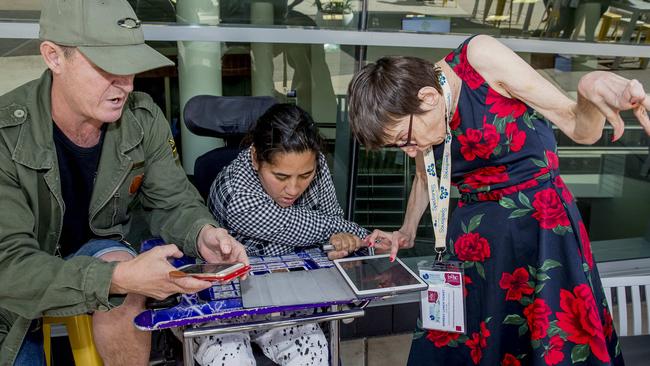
439	185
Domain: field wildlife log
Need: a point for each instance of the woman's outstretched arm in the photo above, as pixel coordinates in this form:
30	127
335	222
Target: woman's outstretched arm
601	95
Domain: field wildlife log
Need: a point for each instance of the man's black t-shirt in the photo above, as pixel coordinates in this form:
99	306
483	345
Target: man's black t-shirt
78	168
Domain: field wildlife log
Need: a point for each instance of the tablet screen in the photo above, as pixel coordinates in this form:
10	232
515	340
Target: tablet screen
372	274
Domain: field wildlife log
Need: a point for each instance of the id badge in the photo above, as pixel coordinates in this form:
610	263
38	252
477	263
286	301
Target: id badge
443	303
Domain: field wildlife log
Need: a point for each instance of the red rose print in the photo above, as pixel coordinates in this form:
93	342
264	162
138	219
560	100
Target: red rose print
489	196
455	121
580	320
519	187
549	210
608	328
468	281
472	247
554	355
475	350
471	145
537	315
553	161
441	339
485	333
566	194
486	176
516	284
466	72
541	172
510	360
502	106
491	138
586	245
450	57
516	137
477	342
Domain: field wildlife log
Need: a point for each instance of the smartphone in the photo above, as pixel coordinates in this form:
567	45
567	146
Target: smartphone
212	272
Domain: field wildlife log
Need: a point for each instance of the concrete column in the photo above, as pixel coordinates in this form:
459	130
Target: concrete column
199	72
262	53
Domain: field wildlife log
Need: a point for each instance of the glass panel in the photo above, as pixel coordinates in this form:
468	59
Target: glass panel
339	14
315	77
619	21
607	21
610	180
20	10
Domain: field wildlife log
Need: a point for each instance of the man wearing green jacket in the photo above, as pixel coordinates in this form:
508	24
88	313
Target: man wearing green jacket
78	151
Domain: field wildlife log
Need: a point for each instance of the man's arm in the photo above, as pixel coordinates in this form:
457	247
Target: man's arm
177	211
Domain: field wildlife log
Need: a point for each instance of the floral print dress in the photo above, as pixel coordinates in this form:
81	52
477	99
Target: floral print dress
533	294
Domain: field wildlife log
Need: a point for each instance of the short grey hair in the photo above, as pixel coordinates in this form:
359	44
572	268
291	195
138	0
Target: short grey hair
382	92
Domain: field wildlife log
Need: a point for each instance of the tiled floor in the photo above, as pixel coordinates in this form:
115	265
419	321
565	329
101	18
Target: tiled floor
376	351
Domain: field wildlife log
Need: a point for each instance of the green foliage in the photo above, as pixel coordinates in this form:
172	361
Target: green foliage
514	319
580	353
338	7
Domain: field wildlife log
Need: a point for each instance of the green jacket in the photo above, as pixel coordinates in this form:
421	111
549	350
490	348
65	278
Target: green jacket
34	280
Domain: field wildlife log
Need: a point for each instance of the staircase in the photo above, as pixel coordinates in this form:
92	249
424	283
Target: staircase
383	185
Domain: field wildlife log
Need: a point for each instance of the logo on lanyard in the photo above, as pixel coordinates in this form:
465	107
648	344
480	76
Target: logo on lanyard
440	184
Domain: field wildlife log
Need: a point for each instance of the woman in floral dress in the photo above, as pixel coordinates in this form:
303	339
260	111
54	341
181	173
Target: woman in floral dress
533	294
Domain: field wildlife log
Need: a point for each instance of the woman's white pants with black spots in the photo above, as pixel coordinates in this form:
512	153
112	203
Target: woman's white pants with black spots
291	346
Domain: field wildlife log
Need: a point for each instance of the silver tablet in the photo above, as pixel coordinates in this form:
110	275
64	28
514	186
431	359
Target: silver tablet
376	276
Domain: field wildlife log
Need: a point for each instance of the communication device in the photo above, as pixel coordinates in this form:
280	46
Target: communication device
212	272
376	275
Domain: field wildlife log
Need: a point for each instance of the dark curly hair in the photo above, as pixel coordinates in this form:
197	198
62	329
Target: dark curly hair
283	128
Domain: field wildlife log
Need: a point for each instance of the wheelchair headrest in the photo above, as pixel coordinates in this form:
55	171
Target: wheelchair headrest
224	117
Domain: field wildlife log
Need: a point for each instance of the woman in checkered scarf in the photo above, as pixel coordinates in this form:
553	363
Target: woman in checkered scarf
276	196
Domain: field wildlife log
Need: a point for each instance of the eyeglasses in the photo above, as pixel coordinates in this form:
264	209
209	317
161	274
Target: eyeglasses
408	137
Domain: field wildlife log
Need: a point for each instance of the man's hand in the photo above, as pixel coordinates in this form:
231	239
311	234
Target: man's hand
148	275
344	244
217	246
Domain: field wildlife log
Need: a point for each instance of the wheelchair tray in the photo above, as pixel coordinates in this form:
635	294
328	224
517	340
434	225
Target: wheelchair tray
224	301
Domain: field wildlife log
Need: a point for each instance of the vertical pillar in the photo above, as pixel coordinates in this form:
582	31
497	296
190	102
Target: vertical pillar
262	53
199	72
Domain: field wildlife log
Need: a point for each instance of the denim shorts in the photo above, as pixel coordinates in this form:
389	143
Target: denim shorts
31	351
98	247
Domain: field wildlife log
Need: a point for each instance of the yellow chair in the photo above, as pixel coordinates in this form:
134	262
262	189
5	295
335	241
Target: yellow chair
80	334
499	16
608	19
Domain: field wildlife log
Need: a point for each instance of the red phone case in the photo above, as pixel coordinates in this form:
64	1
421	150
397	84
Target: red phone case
224	278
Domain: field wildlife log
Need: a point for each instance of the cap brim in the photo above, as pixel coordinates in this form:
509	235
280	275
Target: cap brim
125	60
